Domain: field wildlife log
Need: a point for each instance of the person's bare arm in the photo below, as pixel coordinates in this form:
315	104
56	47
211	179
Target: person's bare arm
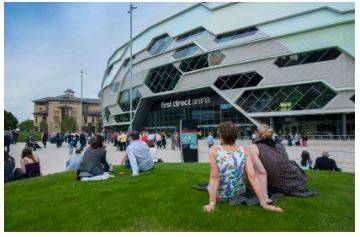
22	166
125	157
214	181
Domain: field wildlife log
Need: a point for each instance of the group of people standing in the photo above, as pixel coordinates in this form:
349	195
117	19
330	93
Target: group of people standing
10	137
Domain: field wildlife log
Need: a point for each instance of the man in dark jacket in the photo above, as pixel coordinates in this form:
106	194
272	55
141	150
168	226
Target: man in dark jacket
82	141
325	163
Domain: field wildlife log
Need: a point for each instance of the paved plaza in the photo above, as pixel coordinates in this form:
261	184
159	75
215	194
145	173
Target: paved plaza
53	159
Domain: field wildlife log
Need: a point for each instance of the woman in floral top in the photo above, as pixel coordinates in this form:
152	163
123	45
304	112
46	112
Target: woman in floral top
228	163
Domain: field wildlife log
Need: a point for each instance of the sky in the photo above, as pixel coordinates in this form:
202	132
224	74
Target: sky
48	44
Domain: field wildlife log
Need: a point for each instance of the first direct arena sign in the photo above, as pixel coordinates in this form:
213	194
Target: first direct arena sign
186	102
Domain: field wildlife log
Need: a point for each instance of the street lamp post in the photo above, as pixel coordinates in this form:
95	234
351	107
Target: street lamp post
131	79
81	99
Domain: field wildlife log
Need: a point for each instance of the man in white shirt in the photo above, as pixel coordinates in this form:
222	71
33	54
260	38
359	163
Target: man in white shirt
137	156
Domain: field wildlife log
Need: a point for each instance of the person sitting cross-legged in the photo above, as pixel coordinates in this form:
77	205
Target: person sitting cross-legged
74	162
137	156
94	159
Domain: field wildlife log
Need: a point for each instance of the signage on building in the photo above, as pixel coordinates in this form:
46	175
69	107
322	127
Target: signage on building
185	102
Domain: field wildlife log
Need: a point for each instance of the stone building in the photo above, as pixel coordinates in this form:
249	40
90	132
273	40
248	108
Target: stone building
54	109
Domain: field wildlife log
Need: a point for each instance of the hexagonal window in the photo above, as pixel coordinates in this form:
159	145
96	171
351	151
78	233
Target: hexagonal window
241	80
124	101
215	58
297	97
159	44
308	57
163	78
186	51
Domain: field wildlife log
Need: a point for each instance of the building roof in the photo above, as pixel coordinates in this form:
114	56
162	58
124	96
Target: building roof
69	91
67	97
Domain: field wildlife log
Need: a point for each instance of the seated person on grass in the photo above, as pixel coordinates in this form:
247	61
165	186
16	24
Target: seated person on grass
137	156
94	159
153	151
74	162
228	164
9	166
325	163
29	165
283	175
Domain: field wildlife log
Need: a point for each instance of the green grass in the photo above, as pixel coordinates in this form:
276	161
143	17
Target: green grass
164	200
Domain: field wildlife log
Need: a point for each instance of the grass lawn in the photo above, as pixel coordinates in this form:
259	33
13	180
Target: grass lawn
164	200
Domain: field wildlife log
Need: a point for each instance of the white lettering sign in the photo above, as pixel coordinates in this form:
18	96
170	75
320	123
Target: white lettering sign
186	102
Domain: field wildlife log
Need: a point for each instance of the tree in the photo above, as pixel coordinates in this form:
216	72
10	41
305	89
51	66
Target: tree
27	125
43	125
68	124
10	122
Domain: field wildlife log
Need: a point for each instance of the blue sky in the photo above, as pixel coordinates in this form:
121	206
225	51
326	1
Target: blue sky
47	44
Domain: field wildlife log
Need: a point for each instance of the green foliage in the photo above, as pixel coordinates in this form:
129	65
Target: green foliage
23	135
27	125
163	200
10	122
43	125
68	124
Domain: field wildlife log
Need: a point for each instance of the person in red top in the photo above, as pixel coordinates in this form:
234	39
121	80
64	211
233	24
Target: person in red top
144	137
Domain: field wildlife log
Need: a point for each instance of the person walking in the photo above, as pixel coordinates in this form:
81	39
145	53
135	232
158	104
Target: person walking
158	140
82	140
44	138
289	139
173	141
163	140
123	139
210	140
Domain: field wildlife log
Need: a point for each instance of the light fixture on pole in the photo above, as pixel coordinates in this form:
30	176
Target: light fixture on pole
81	99
131	79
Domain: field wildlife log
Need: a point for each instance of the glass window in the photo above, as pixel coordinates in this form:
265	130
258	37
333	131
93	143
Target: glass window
124	101
160	44
194	63
115	87
241	80
352	98
294	97
163	78
110	73
236	34
107	114
190	34
186	51
308	57
126	62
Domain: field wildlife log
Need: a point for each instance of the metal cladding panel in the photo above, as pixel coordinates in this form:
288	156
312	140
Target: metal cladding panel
253	51
342	36
311	20
338	73
225	19
108	97
342	101
138	80
115	109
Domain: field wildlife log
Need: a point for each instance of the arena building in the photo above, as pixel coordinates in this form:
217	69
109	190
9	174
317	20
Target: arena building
290	65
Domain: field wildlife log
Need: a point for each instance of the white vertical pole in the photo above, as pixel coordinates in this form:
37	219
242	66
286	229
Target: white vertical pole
81	99
131	65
